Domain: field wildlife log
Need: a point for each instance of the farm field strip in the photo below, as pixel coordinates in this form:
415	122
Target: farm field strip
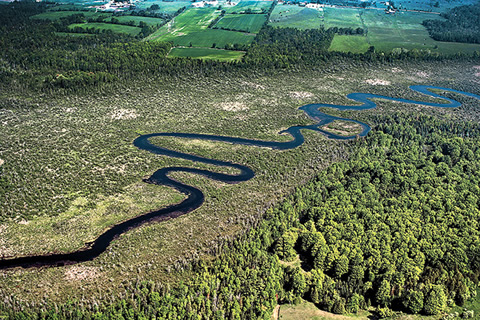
251	23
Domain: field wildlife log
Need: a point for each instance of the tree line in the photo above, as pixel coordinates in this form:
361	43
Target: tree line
462	25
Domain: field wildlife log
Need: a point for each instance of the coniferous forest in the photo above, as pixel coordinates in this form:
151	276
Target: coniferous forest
462	25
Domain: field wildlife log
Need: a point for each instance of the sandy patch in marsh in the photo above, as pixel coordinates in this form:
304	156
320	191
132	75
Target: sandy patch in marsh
233	106
2	162
378	82
253	85
477	69
422	74
300	94
75	273
4	250
123	114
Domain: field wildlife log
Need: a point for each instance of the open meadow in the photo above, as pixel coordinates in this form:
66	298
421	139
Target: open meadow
251	23
296	17
71	170
387	32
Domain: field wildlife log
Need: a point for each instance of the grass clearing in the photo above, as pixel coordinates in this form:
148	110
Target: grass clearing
207	54
343	128
251	23
118	28
347	43
291	16
209	37
308	311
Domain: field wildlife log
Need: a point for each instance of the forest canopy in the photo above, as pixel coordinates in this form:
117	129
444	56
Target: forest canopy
462	25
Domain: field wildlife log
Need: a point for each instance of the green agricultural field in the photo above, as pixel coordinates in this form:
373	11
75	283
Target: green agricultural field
342	17
388	32
249	6
404	30
118	28
296	17
191	28
206	54
209	37
56	15
148	20
242	22
165	6
347	43
192	20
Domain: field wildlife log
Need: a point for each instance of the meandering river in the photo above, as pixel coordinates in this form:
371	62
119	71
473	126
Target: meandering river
195	197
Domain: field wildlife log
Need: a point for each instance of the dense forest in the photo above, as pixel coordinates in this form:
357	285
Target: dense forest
395	227
462	25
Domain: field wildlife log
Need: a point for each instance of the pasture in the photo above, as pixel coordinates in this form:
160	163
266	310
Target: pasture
284	16
249	7
342	17
209	37
251	23
388	32
118	28
192	20
347	43
191	29
206	54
